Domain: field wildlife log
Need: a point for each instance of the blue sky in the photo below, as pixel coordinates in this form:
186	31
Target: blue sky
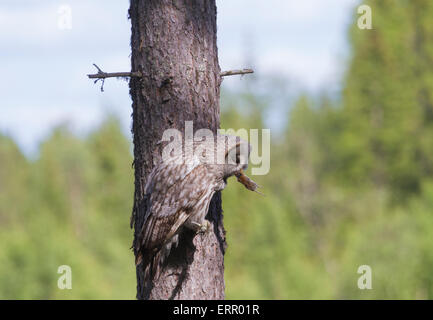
44	83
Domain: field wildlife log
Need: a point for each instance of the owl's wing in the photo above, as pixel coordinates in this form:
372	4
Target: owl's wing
171	201
157	230
169	173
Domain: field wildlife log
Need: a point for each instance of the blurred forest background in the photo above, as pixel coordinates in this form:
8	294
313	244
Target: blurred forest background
351	183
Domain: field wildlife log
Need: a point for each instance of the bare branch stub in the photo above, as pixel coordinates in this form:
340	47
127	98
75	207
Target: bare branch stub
101	75
236	72
114	75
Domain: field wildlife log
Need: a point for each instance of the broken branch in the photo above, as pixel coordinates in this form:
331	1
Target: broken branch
235	72
101	75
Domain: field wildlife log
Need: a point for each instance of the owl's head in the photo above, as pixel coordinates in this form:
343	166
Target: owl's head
236	156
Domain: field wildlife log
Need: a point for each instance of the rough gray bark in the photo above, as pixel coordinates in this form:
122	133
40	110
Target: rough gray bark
174	47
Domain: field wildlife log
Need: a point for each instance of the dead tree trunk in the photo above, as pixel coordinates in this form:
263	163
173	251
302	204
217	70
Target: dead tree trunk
174	48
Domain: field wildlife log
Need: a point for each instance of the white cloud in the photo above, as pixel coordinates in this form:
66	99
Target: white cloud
301	39
304	40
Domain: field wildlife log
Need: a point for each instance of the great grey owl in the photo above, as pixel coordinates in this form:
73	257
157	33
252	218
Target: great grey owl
178	192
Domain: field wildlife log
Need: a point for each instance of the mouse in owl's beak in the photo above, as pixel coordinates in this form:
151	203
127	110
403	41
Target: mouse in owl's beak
237	161
247	182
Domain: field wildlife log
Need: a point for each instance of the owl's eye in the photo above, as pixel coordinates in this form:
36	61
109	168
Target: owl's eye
233	156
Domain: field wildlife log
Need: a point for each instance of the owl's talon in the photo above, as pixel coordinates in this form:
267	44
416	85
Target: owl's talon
202	228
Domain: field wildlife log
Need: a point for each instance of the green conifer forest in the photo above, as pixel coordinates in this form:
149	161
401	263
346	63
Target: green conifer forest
350	184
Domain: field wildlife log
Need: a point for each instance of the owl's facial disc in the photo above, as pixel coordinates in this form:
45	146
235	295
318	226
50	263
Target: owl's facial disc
237	159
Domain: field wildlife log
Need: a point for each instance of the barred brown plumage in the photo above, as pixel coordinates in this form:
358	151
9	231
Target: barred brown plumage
178	193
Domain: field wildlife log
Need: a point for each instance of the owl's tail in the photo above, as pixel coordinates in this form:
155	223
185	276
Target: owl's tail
152	269
152	263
